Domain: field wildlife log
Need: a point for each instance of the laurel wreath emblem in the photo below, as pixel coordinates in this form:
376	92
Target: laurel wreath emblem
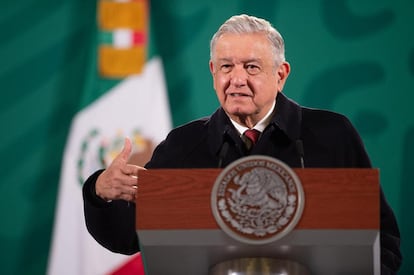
261	202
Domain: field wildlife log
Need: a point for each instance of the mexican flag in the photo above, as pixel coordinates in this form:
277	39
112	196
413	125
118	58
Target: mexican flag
136	105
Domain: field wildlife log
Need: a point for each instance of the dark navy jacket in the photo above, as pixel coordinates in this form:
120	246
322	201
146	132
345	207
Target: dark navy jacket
328	140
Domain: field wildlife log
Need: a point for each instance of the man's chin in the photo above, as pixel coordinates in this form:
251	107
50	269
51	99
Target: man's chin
240	108
239	113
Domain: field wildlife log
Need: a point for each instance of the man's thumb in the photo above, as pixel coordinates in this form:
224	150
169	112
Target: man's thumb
126	151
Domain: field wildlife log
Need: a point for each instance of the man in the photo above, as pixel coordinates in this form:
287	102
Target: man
249	71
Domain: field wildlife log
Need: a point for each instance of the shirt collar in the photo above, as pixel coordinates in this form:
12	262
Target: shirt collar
260	126
287	117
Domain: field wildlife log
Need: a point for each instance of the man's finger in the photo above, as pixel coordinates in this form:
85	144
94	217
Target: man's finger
132	170
126	151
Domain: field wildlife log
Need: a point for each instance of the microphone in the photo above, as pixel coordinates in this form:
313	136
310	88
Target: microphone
224	148
301	152
223	153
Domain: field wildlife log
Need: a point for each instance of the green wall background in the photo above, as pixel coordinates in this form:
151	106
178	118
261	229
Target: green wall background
353	57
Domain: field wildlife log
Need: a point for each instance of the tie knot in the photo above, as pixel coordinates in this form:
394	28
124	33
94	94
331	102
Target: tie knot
252	135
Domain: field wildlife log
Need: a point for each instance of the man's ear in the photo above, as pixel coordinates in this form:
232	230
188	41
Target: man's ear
211	65
282	72
212	71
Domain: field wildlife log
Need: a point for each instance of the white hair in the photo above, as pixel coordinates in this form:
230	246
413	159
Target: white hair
245	24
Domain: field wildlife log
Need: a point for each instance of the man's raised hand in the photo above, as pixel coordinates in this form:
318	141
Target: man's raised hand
120	180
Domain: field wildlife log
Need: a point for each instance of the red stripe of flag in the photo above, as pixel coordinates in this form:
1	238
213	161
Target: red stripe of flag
139	38
134	266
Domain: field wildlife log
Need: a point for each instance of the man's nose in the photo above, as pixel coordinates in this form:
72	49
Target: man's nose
238	76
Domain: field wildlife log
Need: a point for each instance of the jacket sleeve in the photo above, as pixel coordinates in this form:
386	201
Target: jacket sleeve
391	257
111	224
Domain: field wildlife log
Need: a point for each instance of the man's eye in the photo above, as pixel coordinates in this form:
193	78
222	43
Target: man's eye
252	69
225	68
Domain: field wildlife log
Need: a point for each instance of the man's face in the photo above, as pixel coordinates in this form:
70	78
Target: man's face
245	76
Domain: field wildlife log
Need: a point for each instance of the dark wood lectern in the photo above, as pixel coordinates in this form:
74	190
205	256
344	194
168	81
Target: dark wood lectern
338	232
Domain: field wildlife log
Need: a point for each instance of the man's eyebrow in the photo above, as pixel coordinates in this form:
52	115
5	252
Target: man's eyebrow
249	60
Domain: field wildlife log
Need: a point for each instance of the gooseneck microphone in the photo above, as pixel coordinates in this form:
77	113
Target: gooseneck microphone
301	152
224	148
223	153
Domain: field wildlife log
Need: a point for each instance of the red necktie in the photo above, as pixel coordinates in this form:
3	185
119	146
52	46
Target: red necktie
253	136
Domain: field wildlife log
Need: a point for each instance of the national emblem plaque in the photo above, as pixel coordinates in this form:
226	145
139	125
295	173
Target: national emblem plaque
257	199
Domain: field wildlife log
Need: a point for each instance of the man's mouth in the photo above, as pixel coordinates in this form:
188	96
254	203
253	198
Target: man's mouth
238	94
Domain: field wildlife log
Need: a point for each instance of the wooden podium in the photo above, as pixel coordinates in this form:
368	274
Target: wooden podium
338	232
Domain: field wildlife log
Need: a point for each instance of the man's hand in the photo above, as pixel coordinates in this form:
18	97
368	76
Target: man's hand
120	179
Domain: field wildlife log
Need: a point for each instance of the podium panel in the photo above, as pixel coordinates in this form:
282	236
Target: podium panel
338	232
